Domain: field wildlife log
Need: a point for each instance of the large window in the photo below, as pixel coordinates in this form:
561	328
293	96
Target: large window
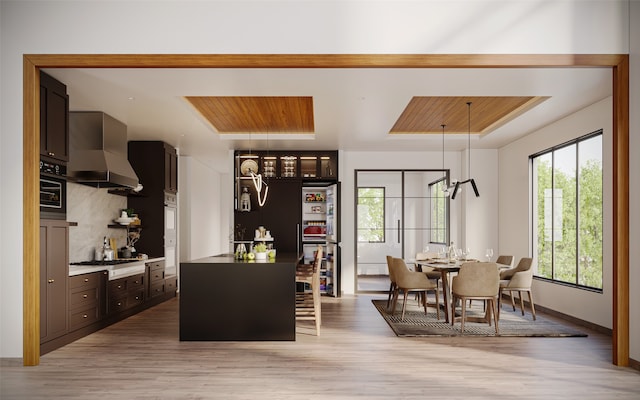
371	215
566	215
438	211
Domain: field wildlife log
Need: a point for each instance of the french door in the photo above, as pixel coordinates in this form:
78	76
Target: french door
398	213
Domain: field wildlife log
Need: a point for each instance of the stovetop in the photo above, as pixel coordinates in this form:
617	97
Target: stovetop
106	262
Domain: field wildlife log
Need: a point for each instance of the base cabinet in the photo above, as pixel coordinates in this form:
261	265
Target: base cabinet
54	271
125	293
86	299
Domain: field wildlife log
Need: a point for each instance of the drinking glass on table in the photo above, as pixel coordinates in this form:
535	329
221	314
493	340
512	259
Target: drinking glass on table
489	254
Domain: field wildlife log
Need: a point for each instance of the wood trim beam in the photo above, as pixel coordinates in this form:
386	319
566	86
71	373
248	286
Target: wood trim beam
31	214
323	60
621	213
31	131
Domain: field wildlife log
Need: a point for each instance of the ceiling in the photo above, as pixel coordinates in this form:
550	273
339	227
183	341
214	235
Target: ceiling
207	112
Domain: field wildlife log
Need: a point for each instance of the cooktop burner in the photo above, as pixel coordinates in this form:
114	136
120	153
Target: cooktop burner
106	262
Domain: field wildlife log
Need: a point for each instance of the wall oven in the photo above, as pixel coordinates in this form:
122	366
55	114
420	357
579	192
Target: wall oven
53	190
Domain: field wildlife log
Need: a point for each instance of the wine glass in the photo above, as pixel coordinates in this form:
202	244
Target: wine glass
489	254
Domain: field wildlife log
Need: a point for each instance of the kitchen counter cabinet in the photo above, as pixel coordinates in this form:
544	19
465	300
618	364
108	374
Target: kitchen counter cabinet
225	299
86	299
125	293
54	272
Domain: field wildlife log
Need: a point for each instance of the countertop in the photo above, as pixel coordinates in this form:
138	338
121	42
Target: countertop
86	269
230	259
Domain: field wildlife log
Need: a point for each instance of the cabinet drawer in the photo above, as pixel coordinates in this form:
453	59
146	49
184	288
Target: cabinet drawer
88	280
124	284
134	282
83	316
156	273
127	301
171	284
157	288
84	296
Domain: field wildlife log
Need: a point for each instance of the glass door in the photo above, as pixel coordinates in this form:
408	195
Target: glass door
394	216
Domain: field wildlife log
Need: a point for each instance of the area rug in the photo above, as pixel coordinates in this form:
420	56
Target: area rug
417	324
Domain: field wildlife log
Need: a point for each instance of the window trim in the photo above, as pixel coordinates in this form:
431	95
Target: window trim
446	221
533	205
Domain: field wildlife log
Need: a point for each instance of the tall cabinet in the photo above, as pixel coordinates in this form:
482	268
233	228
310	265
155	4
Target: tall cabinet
297	222
156	164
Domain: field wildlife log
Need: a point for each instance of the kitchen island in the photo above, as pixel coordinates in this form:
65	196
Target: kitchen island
238	300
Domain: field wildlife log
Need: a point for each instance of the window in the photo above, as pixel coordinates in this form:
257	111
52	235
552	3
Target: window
438	211
566	215
371	215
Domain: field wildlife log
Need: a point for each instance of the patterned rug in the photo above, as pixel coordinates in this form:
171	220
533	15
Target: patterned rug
416	324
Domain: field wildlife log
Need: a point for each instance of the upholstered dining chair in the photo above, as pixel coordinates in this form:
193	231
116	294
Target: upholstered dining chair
476	281
308	304
504	261
408	281
392	279
519	280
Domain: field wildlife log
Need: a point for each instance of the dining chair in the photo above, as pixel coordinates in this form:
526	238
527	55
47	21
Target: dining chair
477	281
408	281
431	273
392	279
518	279
308	304
504	261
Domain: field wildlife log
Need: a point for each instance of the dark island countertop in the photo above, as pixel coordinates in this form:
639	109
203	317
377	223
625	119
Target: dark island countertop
222	298
230	259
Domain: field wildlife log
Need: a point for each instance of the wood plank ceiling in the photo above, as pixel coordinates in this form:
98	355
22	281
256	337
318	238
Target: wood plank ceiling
423	115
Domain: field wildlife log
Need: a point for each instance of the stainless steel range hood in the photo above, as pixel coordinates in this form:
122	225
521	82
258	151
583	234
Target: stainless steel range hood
98	151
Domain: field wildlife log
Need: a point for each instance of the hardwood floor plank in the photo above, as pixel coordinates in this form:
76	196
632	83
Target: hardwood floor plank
357	356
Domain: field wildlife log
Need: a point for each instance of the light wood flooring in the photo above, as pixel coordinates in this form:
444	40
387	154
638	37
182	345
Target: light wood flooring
357	356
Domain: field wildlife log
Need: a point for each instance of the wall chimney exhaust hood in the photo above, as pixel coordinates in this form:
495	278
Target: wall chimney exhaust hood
98	151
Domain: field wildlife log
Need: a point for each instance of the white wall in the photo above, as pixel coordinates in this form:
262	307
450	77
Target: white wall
461	27
514	209
204	220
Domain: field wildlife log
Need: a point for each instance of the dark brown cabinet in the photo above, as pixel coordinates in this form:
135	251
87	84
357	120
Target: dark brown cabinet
156	278
54	118
170	169
54	272
125	293
86	299
155	163
285	173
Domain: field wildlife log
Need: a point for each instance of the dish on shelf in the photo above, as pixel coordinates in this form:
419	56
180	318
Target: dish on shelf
124	221
248	166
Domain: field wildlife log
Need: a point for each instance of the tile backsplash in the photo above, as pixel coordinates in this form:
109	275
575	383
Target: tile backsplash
93	209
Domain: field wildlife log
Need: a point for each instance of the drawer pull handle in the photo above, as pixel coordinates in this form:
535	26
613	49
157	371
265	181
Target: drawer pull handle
86	279
119	304
51	153
119	286
85	316
51	280
137	297
84	296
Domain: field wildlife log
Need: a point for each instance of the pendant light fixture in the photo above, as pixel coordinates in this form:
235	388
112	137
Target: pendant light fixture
446	188
250	167
469	179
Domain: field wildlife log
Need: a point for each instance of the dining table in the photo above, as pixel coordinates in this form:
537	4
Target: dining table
445	267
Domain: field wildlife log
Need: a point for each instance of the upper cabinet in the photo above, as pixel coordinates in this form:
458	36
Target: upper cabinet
54	118
170	169
305	165
156	164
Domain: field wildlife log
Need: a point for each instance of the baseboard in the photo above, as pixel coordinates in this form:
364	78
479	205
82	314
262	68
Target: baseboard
634	364
576	321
